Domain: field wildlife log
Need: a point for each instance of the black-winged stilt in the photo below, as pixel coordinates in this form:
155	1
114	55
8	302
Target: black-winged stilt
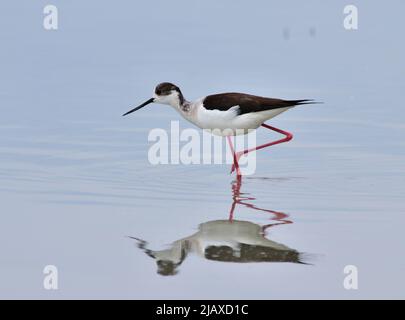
226	114
227	240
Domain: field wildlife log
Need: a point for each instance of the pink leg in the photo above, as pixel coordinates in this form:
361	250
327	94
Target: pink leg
235	196
288	137
264	228
235	159
241	199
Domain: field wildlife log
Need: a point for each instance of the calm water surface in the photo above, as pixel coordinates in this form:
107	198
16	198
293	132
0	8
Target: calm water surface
77	190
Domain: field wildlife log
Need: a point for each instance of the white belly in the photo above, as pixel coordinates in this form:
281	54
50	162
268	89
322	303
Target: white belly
228	123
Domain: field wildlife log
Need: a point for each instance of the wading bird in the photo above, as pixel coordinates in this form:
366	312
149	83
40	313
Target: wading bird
226	114
229	240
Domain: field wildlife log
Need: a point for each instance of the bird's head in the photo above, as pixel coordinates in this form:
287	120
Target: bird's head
168	93
165	93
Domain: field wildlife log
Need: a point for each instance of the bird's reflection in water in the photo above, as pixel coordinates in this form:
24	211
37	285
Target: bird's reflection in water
227	240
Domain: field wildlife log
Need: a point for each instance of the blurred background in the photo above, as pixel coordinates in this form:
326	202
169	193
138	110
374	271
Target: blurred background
76	181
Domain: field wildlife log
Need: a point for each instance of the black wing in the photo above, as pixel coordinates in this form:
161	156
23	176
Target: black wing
247	103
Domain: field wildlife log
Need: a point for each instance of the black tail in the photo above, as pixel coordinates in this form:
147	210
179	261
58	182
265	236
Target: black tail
302	101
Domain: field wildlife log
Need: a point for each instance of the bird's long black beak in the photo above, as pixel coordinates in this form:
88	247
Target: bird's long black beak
139	107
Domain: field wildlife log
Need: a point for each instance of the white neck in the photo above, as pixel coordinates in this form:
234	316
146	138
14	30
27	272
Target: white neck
186	108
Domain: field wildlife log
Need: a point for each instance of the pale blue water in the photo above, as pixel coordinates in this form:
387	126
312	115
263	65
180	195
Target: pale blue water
75	177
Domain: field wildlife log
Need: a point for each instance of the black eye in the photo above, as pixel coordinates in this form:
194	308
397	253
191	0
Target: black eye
158	91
